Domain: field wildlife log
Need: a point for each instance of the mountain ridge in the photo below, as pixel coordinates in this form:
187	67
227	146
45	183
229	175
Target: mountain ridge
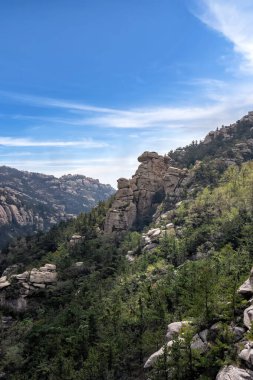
32	202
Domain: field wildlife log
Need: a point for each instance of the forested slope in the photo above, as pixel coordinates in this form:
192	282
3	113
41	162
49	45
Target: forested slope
115	294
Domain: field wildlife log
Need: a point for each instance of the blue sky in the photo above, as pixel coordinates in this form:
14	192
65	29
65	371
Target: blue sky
88	85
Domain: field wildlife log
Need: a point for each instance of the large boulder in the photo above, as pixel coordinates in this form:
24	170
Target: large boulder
248	316
246	289
199	341
174	329
231	372
156	355
247	354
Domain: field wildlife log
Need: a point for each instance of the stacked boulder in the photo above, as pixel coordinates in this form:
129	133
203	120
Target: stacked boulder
137	199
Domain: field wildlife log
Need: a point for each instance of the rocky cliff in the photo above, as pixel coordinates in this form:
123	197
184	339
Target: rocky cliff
172	177
30	202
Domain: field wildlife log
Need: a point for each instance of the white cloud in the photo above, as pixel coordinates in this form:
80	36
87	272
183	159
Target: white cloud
26	142
234	20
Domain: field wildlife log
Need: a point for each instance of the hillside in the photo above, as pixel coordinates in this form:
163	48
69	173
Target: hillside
173	250
32	202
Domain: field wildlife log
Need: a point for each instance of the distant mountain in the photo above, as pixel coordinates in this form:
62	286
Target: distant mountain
30	202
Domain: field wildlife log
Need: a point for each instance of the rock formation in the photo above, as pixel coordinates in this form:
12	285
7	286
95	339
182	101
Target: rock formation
137	199
25	284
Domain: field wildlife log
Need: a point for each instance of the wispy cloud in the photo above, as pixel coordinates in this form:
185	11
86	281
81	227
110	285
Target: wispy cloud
164	116
54	103
234	20
26	142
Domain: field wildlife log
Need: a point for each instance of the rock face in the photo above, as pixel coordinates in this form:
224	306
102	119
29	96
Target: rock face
25	284
30	202
137	199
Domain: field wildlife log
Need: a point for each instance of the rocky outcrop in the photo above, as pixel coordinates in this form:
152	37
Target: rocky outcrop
173	331
137	199
20	286
156	355
31	202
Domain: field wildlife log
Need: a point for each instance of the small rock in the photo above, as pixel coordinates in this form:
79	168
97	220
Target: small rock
130	258
149	247
79	264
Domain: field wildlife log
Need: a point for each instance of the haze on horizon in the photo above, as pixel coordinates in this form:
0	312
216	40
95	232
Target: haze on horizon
87	86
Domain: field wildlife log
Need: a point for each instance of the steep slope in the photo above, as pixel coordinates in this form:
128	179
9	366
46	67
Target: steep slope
31	202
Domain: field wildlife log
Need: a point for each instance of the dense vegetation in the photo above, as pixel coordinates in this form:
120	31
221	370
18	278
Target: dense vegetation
103	319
